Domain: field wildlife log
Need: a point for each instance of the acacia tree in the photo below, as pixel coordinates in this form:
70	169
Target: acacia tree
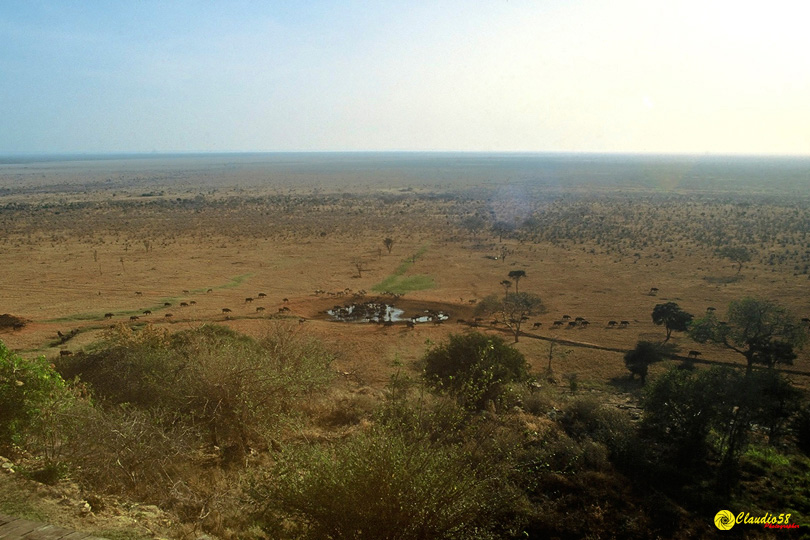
738	254
672	317
762	331
512	310
516	276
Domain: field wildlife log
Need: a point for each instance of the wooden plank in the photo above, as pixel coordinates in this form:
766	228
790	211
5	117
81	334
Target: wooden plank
12	528
47	532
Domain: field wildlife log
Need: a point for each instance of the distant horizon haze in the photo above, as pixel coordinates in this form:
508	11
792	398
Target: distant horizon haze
653	77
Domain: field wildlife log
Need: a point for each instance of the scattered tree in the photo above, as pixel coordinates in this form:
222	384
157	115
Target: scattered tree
513	310
360	266
762	331
516	276
738	254
389	244
672	317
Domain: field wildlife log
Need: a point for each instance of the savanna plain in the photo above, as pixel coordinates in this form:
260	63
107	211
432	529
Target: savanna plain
405	345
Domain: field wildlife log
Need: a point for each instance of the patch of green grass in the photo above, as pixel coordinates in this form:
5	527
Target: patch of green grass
398	284
767	456
402	285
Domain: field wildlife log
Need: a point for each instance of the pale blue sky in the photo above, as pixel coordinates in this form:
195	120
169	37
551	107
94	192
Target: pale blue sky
682	76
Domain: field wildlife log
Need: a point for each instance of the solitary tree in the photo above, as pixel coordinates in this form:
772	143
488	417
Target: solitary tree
389	244
762	331
516	275
513	310
738	254
672	317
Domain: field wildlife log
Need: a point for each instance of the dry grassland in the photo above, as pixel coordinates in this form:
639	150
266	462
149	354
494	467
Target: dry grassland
74	253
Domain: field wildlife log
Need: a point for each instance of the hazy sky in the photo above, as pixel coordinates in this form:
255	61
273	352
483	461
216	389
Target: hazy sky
496	75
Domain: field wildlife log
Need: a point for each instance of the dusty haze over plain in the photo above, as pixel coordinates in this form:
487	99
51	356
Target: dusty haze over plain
541	76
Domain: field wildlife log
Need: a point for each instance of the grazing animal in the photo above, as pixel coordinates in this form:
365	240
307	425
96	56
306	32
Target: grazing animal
612	323
537	325
579	319
584	323
248	299
694	354
653	291
302	320
557	324
261	295
226	310
108	315
210	290
566	317
285	300
147	312
168	315
167	304
624	324
193	303
183	304
134	318
138	293
710	308
65	352
259	309
572	324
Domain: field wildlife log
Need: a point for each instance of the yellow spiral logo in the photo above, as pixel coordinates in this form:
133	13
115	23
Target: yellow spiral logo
724	520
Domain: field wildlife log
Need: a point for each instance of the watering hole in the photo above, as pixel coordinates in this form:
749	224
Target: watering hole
378	312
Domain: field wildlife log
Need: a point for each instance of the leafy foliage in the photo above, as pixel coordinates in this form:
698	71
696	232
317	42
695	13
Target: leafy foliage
513	310
28	390
762	331
475	368
672	317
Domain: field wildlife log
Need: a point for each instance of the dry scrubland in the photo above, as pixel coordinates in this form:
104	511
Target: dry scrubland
185	246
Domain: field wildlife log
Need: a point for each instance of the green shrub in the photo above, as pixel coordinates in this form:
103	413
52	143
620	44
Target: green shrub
379	485
475	368
27	389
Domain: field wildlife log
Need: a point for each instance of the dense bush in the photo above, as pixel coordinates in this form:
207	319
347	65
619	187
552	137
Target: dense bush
379	485
475	368
225	385
30	393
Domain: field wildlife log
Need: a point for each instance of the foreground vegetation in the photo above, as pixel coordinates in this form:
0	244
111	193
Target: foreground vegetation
247	438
